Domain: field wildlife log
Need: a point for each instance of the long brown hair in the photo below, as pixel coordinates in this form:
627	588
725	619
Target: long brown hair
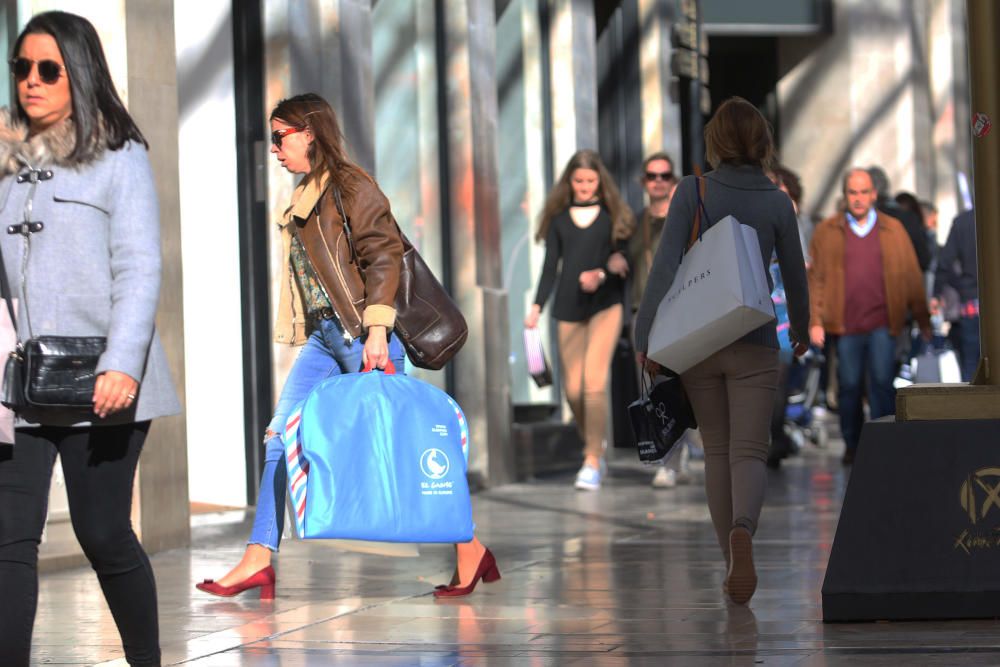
561	196
326	152
739	134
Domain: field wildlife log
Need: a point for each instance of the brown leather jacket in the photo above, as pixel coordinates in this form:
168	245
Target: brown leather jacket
358	302
904	283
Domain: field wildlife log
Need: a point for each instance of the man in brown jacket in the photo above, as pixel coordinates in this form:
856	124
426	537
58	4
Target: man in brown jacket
864	275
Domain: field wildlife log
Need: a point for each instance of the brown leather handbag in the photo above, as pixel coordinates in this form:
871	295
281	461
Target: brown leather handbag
428	321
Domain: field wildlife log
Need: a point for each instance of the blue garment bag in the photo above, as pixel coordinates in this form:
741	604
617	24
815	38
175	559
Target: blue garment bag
379	456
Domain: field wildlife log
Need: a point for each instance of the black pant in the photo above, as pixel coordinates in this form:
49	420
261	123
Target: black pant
99	467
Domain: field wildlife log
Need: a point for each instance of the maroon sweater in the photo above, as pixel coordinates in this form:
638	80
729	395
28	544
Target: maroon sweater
865	308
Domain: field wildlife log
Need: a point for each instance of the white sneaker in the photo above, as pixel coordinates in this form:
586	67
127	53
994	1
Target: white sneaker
588	479
665	478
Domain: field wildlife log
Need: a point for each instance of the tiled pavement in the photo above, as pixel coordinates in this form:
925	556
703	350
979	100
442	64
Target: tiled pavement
625	576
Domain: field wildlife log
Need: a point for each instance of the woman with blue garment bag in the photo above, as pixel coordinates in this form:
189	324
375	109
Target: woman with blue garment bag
341	311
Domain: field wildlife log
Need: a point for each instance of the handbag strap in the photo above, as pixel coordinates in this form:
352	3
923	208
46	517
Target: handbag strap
346	220
647	244
699	214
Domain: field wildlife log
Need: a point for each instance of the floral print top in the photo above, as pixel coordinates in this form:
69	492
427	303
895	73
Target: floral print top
313	294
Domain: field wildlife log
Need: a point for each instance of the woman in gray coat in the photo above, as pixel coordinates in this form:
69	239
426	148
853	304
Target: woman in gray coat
732	391
81	247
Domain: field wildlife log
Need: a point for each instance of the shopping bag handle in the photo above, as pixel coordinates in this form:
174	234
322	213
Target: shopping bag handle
700	214
390	368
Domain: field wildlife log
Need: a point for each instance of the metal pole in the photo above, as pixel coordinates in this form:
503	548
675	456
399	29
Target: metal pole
984	71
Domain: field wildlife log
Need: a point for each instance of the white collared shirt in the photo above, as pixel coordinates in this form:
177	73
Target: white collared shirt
863	229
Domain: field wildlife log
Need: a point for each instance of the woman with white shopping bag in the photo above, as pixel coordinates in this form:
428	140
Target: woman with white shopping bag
341	314
732	391
586	227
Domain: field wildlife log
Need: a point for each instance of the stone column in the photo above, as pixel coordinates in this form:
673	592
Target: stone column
152	86
661	113
407	149
331	54
573	76
525	182
482	381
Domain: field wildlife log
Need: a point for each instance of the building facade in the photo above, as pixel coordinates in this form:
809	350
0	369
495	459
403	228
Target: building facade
466	111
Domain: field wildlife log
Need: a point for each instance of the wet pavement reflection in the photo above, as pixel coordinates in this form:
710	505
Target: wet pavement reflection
629	575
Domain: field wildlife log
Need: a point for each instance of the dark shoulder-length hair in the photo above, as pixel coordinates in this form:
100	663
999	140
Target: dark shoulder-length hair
739	134
561	196
94	98
327	154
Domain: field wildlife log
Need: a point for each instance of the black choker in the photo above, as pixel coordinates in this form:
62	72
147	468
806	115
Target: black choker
591	202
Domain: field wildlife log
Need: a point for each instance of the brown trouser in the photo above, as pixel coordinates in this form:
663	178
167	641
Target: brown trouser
732	394
585	349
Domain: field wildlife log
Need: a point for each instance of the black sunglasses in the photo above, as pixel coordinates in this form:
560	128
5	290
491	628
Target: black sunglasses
49	71
659	175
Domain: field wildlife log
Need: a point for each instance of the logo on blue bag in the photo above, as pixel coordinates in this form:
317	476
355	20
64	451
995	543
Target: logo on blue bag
434	463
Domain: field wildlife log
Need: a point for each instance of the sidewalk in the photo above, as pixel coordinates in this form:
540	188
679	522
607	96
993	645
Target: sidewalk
625	576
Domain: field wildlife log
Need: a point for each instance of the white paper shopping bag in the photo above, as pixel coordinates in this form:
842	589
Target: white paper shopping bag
720	293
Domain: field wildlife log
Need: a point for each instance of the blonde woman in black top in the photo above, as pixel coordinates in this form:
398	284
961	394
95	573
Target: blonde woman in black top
586	227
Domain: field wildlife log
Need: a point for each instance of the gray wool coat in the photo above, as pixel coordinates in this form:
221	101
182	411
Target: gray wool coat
747	194
94	269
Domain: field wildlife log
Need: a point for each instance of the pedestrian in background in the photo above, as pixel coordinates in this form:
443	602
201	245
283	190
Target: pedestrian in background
349	315
957	270
864	276
911	220
732	391
781	444
586	227
72	158
790	183
658	181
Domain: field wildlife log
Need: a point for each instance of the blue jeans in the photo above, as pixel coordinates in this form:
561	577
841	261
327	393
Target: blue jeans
326	354
874	352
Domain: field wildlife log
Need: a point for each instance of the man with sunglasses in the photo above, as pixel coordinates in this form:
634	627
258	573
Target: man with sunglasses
658	181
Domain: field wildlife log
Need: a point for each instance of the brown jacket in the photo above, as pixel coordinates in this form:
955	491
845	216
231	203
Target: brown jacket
358	302
904	283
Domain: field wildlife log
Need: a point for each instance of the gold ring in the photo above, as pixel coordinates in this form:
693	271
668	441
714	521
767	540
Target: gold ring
131	397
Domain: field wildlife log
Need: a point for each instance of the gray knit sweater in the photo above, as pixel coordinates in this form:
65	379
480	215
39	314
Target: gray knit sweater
747	194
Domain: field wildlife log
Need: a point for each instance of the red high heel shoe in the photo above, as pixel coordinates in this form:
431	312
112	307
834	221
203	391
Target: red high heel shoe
263	579
487	571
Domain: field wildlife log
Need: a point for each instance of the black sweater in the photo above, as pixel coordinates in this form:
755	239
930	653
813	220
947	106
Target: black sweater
580	249
957	261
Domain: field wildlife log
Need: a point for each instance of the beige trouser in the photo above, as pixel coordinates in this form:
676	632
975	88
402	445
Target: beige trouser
586	349
732	394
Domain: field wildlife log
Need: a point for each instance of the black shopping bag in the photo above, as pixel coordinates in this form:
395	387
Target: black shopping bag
659	418
624	390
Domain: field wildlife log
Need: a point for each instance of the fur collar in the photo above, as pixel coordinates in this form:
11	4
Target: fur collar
51	147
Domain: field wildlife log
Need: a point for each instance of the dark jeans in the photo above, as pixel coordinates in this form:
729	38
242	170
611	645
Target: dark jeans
860	355
965	339
99	467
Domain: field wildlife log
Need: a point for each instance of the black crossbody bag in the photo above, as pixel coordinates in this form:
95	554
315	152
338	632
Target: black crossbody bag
47	371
